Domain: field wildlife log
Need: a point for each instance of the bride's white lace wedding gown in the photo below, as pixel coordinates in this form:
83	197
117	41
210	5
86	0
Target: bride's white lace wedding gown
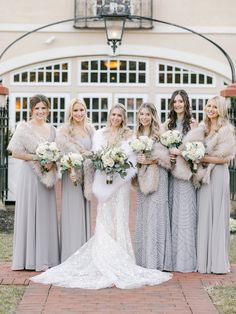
107	259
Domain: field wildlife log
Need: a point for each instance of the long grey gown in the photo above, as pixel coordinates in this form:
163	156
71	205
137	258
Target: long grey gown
36	244
183	208
153	238
213	223
75	214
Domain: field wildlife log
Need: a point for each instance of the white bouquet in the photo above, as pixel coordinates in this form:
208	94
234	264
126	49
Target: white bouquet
47	152
111	160
142	144
72	162
193	152
171	138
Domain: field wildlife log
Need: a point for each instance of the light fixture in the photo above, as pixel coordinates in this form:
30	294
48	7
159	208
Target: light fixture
114	14
112	64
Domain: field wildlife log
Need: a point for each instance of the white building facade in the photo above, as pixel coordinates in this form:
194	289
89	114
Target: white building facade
64	62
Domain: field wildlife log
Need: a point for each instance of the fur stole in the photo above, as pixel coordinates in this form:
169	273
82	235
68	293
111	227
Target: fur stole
25	140
148	174
100	189
221	144
181	169
67	143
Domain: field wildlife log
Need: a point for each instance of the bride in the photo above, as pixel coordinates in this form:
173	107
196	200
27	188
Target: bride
107	259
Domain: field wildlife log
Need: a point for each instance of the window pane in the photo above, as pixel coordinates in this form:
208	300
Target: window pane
84	65
169	68
32	76
94	77
201	79
40	76
142	78
64	66
87	101
130	103
161	67
132	65
130	117
123	65
103	117
24	103
84	77
193	78
163	104
55	103
113	77
194	104
56	76
57	67
17	116
54	117
62	117
103	65
185	78
177	78
104	104
103	77
95	103
95	117
139	102
64	77
161	78
169	78
48	76
200	104
94	65
62	103
123	77
121	100
132	77
142	66
49	67
24	115
209	80
16	78
24	77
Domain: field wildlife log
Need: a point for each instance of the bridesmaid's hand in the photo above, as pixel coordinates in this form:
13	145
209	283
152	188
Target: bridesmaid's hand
49	166
174	151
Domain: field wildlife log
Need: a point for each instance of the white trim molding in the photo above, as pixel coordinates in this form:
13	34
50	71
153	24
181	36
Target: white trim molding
125	50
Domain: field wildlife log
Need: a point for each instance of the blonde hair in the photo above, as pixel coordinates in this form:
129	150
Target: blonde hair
124	131
222	107
154	130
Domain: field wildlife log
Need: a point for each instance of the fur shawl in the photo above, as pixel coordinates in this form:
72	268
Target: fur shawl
67	143
25	140
100	189
181	169
148	174
221	144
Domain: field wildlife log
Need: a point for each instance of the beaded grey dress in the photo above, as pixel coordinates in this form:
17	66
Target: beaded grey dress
153	238
75	211
183	209
35	244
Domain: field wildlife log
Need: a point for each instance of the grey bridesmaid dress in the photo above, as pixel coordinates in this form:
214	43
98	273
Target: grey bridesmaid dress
75	213
213	223
36	243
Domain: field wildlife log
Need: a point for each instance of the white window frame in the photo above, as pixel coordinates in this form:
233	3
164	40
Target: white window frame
146	61
135	96
183	67
98	95
36	69
13	96
166	96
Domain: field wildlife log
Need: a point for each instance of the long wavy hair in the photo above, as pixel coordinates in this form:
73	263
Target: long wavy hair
154	129
123	130
187	114
69	114
222	108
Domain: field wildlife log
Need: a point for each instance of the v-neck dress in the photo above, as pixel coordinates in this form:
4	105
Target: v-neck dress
36	244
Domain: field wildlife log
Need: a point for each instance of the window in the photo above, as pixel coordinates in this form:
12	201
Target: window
22	108
132	102
98	106
114	71
53	73
197	103
168	74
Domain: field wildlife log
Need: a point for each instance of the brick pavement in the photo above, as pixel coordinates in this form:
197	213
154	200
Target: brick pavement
183	294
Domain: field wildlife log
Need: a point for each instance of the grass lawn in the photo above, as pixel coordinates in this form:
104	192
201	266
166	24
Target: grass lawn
10	296
6	246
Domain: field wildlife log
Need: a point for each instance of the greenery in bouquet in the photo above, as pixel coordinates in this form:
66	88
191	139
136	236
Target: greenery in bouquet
47	152
111	160
71	162
171	138
193	152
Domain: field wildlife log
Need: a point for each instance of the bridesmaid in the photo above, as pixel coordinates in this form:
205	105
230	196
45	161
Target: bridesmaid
74	136
182	194
214	195
35	230
153	238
